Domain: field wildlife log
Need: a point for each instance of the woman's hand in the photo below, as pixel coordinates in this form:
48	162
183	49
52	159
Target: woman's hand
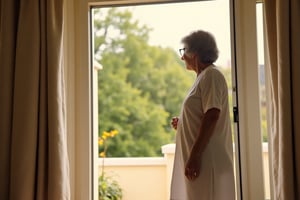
192	168
174	122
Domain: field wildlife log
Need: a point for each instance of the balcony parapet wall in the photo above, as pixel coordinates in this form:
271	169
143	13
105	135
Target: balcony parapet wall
149	178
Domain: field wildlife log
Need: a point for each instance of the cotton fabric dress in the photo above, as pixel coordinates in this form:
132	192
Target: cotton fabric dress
216	179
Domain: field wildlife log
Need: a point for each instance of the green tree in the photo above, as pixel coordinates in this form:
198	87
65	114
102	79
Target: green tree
140	87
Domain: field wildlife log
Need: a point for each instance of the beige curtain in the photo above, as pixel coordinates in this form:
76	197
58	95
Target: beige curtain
282	20
33	151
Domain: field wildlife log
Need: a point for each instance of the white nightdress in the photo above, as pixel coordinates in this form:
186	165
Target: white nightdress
216	179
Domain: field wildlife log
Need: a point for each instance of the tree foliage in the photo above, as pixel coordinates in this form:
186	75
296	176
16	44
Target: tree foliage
140	86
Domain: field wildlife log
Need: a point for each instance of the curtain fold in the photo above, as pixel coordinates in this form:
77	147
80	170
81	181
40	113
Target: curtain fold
283	47
33	145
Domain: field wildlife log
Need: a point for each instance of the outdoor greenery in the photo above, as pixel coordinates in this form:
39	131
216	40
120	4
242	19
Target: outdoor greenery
108	187
141	86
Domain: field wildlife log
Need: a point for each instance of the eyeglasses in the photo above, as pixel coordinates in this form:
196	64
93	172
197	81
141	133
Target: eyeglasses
182	51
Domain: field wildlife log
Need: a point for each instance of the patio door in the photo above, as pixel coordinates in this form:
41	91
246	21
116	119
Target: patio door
168	21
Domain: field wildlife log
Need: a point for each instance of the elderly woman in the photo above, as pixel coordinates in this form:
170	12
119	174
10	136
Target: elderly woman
203	168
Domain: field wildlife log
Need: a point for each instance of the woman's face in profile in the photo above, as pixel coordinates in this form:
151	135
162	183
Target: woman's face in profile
189	61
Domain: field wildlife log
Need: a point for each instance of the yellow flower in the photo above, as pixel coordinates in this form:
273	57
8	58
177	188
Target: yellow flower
106	133
102	154
100	141
113	133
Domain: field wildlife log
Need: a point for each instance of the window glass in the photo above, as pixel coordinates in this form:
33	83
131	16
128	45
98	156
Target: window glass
263	87
140	63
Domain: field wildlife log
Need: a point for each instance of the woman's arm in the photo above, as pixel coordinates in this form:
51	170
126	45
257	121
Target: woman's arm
208	125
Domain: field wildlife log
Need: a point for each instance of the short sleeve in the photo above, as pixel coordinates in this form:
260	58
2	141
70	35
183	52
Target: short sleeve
212	87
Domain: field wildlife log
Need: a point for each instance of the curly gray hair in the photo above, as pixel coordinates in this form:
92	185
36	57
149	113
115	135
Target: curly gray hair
203	44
